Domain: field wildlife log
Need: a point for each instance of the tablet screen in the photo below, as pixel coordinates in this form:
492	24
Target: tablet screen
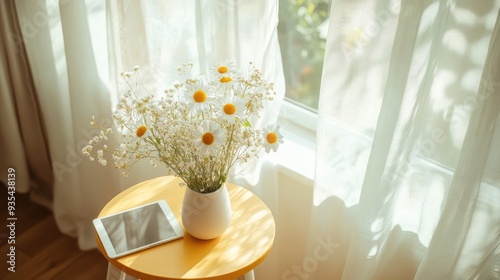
137	228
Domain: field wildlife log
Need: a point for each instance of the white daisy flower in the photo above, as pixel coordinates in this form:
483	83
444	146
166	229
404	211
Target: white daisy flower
209	137
230	109
226	81
198	96
272	138
227	68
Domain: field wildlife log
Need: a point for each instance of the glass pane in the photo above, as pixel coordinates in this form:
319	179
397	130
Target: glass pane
302	34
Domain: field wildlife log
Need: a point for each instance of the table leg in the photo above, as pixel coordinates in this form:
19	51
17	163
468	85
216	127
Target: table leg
116	274
248	276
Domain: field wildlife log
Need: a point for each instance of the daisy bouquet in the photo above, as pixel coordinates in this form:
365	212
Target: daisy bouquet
198	128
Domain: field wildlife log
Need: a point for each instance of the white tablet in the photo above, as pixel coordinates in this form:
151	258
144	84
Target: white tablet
137	228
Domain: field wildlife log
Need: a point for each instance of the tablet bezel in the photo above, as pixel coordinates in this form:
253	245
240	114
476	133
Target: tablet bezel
108	245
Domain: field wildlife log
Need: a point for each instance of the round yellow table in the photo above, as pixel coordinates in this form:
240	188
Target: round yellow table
243	246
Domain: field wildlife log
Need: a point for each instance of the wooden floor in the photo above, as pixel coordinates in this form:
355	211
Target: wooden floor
41	250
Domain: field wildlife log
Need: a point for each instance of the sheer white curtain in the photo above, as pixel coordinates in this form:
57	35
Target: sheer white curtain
76	49
69	67
407	178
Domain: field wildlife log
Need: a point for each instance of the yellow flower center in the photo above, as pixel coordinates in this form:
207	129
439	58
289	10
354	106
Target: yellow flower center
222	69
199	96
225	79
229	109
208	138
141	130
271	137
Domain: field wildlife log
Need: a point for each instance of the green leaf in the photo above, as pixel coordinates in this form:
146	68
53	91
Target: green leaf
246	123
311	8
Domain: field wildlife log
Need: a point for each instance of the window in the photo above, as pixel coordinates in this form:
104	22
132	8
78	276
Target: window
302	35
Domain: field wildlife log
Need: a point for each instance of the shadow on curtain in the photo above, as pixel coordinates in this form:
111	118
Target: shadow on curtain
407	183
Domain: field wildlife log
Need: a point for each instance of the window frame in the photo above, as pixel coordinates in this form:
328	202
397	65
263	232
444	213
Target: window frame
297	155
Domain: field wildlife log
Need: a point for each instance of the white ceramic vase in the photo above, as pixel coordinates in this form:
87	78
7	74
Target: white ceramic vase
206	215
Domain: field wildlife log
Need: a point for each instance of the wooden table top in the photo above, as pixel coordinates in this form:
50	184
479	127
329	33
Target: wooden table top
244	245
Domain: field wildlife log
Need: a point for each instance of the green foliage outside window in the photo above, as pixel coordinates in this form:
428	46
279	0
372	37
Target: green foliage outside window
302	34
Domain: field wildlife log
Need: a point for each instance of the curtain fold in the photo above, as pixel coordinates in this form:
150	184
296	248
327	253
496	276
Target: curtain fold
406	146
69	66
23	140
463	220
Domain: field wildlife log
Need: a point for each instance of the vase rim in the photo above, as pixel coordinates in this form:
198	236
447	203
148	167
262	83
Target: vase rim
217	190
